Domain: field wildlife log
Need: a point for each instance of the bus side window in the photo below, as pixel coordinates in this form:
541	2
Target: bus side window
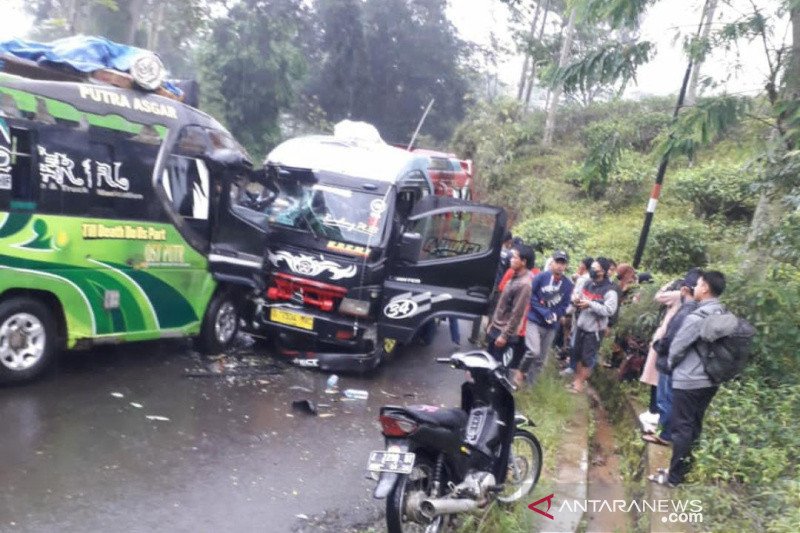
16	166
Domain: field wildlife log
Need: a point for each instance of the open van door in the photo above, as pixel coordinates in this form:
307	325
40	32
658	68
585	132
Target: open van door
444	265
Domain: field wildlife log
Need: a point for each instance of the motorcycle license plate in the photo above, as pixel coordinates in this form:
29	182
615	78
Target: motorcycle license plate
395	462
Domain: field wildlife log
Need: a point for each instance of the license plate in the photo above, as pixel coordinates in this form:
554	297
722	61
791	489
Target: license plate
396	462
282	316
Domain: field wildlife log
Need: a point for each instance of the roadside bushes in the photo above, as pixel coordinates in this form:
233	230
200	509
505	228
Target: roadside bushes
677	245
718	189
551	232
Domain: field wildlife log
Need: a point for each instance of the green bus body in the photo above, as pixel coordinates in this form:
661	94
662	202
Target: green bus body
83	224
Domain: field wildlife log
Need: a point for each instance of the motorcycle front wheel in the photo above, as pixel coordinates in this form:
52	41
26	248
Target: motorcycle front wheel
524	467
413	485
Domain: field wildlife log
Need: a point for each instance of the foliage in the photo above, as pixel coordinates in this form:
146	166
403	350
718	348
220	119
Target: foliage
718	189
414	55
493	136
640	317
773	306
677	245
781	183
342	77
606	65
704	123
613	173
253	66
551	232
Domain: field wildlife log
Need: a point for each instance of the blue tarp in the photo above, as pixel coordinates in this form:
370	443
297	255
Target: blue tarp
82	53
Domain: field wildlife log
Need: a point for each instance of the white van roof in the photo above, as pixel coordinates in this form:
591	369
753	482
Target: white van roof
368	159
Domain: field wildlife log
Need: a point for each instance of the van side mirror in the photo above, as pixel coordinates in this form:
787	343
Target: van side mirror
409	248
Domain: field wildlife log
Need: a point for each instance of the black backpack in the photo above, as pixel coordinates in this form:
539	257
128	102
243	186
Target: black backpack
725	344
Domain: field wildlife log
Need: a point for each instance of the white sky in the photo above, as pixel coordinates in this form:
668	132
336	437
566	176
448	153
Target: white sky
477	19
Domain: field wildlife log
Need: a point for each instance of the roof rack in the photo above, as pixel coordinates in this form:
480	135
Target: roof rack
30	69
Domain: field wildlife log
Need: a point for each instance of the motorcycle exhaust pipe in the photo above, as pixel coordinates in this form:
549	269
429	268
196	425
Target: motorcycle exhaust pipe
431	508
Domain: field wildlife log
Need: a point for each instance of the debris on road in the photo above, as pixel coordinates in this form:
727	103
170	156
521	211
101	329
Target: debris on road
158	418
356	394
332	385
117	395
137	405
389	394
299	388
305	406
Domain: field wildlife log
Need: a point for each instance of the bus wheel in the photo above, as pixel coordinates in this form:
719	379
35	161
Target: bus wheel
28	336
220	323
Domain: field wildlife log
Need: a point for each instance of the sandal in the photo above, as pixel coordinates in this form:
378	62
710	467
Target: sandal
661	479
652	438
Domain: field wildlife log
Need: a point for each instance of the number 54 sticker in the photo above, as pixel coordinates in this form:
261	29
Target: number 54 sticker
406	305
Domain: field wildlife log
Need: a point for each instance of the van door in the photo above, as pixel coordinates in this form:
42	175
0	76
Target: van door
239	239
445	265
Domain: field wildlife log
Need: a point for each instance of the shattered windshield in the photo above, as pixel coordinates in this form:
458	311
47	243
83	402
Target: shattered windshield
331	212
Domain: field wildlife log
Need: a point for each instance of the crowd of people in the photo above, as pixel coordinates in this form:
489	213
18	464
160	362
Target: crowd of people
535	309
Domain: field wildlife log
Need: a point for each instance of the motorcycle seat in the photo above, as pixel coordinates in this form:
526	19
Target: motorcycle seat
451	418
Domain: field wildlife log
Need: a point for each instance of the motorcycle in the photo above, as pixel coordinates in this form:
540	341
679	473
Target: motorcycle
440	462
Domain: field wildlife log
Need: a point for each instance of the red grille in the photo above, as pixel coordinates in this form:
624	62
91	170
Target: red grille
314	293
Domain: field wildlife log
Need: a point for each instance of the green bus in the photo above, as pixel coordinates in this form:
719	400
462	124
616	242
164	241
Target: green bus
116	222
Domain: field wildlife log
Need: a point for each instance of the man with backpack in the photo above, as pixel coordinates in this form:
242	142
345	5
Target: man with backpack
692	387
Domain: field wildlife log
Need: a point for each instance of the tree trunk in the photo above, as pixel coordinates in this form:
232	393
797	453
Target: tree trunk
155	28
135	12
72	14
792	80
708	18
525	65
566	48
532	76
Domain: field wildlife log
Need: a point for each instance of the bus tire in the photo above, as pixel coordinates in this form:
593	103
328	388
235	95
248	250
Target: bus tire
220	323
28	339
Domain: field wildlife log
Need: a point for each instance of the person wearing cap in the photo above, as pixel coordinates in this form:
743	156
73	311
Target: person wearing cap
550	297
598	302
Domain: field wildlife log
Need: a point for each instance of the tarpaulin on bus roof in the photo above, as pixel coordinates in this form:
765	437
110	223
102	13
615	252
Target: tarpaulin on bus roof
80	52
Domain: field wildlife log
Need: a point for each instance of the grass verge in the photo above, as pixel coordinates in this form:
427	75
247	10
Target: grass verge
550	407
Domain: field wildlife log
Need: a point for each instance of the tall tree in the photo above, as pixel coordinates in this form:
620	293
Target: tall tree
414	56
253	67
566	48
710	9
341	76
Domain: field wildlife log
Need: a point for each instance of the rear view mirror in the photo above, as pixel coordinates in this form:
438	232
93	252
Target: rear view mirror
409	247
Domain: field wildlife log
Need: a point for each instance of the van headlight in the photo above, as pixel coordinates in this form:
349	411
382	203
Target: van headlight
353	307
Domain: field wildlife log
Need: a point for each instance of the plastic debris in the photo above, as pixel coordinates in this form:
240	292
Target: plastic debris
356	394
158	418
299	388
333	381
117	395
326	415
137	405
305	406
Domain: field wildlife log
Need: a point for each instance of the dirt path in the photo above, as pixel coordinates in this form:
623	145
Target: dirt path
605	480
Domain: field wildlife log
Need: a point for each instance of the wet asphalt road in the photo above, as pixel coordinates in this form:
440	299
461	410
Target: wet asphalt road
75	457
